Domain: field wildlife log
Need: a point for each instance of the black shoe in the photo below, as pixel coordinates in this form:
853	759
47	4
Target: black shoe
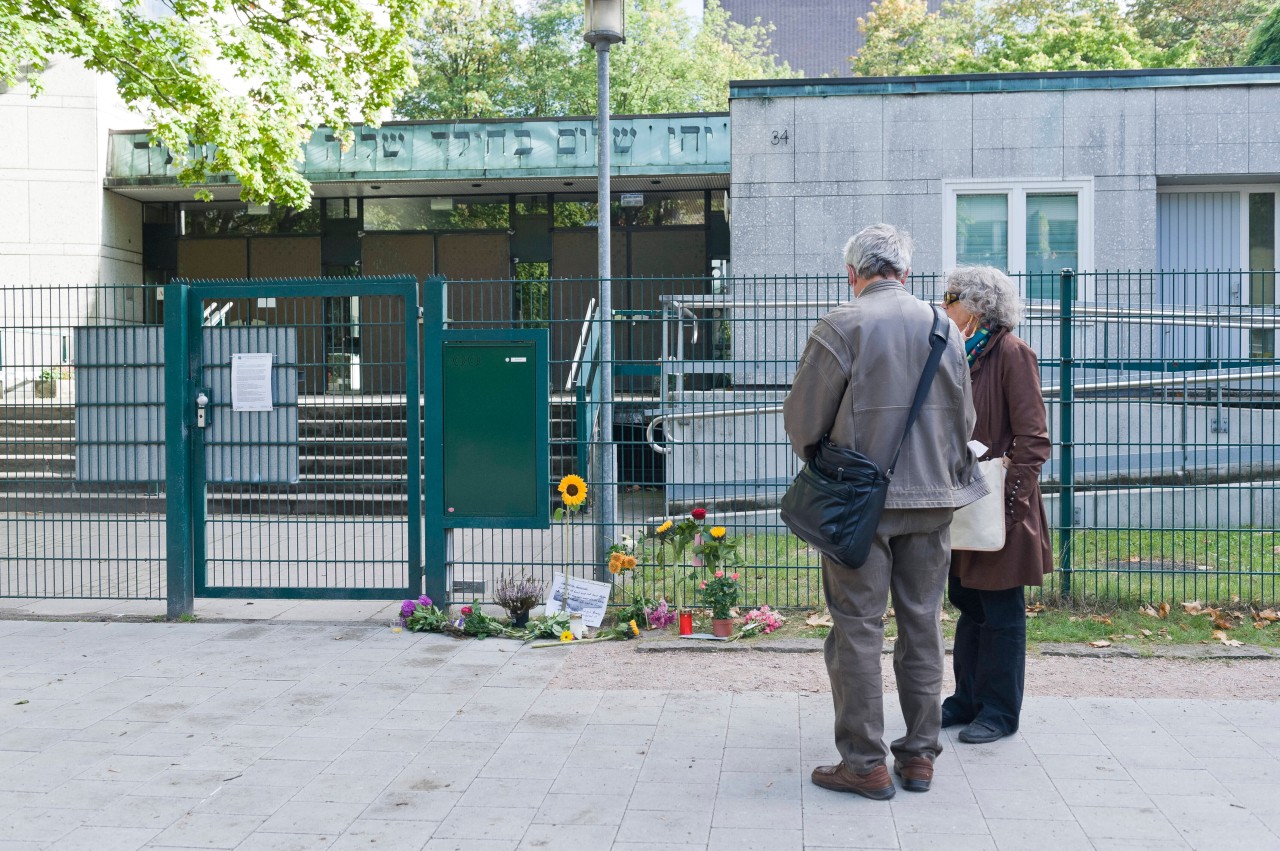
951	718
979	733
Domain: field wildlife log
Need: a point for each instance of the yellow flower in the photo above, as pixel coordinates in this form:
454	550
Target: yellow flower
566	636
665	527
635	630
573	490
614	567
717	532
628	562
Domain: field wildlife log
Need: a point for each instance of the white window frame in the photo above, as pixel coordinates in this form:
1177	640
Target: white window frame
1017	191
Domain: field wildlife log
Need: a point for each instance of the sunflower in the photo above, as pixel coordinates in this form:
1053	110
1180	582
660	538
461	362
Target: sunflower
717	532
573	490
566	636
635	630
664	528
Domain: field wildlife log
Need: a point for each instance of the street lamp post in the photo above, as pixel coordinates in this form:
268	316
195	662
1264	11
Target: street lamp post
605	26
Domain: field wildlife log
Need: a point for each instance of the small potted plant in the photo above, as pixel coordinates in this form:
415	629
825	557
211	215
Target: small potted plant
518	596
46	385
720	595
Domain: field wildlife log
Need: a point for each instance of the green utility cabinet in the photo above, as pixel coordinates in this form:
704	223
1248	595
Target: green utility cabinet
496	463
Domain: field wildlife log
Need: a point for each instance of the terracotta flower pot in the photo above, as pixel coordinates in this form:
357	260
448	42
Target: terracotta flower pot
722	627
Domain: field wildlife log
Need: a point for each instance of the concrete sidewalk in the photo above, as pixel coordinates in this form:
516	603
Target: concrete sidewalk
296	736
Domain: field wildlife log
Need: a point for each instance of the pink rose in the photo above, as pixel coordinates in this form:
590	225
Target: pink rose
466	610
719	573
735	577
704	584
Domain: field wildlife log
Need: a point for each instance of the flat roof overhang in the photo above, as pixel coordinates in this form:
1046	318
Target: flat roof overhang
1039	81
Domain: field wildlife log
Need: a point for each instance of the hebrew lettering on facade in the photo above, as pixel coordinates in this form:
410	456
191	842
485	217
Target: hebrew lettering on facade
524	143
624	139
392	144
568	142
465	138
441	139
500	145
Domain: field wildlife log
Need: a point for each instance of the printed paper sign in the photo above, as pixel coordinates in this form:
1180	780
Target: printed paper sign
251	381
586	597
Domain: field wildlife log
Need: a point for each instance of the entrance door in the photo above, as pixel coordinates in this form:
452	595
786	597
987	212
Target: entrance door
296	495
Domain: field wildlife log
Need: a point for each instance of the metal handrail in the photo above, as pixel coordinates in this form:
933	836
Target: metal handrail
1047	390
580	351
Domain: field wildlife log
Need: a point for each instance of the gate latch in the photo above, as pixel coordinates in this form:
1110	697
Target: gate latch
202	402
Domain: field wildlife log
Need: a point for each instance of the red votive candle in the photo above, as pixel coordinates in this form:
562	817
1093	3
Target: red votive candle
686	623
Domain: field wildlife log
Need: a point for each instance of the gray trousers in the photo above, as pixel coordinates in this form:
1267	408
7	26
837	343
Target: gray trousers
910	558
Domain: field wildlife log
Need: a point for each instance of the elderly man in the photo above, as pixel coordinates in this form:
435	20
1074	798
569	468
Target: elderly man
855	384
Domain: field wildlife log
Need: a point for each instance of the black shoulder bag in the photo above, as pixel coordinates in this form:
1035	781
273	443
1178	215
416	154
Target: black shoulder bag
835	502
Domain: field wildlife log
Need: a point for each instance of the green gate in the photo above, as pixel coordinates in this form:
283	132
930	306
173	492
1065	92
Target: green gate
299	470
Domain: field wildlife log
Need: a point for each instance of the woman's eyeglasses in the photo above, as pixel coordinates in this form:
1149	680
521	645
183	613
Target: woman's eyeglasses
949	298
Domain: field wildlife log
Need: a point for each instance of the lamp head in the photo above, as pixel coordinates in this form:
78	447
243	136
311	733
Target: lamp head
606	20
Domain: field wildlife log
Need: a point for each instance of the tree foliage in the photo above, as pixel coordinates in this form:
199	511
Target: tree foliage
904	37
1264	44
493	60
1219	30
228	85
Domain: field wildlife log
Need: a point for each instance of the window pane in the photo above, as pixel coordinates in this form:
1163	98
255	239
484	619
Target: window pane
1052	242
982	230
1262	258
469	212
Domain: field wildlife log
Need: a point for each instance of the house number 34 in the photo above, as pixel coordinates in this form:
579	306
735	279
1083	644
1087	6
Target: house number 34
781	137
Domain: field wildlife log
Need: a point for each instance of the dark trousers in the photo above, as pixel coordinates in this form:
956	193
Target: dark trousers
990	656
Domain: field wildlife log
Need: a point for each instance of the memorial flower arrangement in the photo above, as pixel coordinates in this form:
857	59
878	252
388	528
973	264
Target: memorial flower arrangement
720	594
518	596
763	619
661	616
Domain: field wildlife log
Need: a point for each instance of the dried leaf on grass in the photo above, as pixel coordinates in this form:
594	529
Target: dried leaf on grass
1102	619
819	619
1101	642
1269	615
1035	608
1146	633
1193	608
1149	611
1163	611
1230	642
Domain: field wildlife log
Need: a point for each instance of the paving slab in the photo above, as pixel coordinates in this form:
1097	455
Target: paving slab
345	735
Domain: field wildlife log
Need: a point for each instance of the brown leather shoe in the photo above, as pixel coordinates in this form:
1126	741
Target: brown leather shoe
876	784
916	773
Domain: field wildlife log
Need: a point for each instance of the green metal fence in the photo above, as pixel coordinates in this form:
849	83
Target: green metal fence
1161	390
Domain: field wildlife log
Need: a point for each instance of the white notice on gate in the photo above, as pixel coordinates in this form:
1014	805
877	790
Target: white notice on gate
251	381
586	597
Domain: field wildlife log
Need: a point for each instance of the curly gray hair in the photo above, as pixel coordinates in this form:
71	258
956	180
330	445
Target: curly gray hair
987	293
879	250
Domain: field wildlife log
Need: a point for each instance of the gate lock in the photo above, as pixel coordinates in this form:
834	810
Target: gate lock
202	402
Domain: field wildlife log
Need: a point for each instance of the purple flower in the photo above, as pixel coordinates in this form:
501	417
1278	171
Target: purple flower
407	607
424	601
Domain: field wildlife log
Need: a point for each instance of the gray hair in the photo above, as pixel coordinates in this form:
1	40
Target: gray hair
987	293
879	250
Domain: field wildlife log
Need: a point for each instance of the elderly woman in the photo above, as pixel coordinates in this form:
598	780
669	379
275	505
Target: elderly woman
987	587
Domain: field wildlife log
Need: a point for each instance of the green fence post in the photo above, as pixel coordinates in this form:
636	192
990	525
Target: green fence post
1066	467
180	570
435	551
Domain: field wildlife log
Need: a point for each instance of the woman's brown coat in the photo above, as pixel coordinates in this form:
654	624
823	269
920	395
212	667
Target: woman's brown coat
1012	422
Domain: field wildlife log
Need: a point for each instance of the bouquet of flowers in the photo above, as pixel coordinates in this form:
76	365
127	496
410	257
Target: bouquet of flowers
762	619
